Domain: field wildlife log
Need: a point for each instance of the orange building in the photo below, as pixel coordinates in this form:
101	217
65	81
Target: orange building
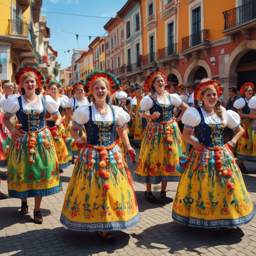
194	39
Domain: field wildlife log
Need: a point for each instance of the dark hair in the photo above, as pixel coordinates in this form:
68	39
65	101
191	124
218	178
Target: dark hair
233	89
38	91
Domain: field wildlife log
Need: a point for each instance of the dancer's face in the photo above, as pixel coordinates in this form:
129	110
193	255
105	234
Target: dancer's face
209	98
159	84
79	90
54	90
248	92
100	91
29	84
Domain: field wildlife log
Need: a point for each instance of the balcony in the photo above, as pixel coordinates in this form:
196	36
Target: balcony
169	55
241	18
36	7
24	4
169	10
196	43
151	22
128	68
149	59
18	27
119	71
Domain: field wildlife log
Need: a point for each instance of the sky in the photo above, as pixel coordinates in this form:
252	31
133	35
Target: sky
63	41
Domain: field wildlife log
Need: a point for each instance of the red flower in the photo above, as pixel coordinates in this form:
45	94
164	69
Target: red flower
105	186
229	173
31	176
230	185
101	173
53	172
43	173
152	171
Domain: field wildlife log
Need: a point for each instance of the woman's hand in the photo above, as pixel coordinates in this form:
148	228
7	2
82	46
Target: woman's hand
155	115
198	147
131	152
15	133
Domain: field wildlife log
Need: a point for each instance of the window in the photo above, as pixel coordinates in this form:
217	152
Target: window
70	75
170	39
122	33
151	40
196	26
138	62
118	61
106	46
150	9
115	43
112	64
137	22
129	66
102	48
112	43
128	33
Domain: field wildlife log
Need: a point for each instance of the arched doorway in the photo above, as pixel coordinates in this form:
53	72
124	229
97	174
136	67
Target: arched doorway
172	78
200	74
246	69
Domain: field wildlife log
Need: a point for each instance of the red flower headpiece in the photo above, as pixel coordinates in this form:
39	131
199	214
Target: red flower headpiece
77	84
113	82
217	85
149	80
68	89
22	71
181	85
241	91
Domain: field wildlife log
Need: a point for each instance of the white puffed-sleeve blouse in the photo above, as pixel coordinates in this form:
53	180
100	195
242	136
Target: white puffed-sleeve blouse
11	105
192	118
147	103
82	115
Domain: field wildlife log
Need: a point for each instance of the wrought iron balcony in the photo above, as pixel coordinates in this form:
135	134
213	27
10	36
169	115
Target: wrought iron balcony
119	71
149	58
240	15
168	51
128	68
18	27
195	39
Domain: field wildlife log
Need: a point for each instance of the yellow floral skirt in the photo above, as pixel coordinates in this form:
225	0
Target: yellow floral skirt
32	169
100	195
209	198
61	148
246	145
159	154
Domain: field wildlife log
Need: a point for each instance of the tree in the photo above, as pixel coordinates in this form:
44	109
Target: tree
56	69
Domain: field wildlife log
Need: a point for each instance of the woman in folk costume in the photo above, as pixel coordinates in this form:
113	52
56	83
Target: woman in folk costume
140	122
246	146
33	169
58	130
73	103
100	195
211	191
161	145
120	99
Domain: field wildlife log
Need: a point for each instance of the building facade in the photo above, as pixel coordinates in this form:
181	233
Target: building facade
131	13
114	46
65	76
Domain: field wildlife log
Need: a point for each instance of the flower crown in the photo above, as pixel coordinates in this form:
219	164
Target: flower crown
22	71
217	85
54	82
181	85
241	91
91	77
149	80
77	84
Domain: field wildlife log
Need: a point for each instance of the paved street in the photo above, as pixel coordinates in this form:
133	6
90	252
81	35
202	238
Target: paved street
155	234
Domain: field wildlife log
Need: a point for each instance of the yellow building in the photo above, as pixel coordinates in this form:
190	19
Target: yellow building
17	40
102	54
85	63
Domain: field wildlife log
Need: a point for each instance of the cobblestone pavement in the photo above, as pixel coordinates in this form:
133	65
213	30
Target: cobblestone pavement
155	234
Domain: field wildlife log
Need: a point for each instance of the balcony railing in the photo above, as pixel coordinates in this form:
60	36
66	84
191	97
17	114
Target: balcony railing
195	39
128	68
18	27
239	15
119	71
149	58
168	51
